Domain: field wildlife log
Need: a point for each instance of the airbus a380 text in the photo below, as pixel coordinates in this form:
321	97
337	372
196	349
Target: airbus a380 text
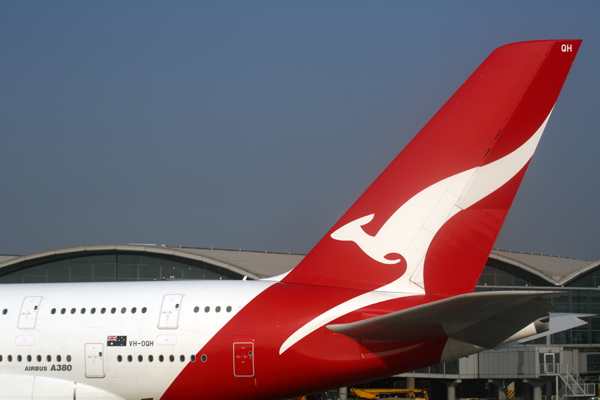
388	289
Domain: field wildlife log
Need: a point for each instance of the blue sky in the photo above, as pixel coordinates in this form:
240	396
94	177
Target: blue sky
255	125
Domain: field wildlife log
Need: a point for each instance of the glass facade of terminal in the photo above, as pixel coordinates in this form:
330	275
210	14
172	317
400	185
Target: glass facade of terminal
580	296
117	267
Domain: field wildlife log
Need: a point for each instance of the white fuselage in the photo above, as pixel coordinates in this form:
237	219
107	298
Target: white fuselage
74	333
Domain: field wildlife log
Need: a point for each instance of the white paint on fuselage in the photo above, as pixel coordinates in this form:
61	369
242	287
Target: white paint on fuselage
67	334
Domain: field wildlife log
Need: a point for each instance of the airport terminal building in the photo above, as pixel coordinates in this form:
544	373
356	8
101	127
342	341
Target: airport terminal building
559	366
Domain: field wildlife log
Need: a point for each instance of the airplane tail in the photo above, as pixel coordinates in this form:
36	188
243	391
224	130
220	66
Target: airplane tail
429	221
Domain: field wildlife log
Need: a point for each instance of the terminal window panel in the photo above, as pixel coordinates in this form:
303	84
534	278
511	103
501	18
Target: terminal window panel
593	362
117	267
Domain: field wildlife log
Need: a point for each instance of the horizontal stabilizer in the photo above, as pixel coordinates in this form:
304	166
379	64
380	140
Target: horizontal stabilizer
484	319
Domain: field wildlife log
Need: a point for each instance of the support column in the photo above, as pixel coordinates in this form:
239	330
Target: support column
502	387
510	390
410	382
451	388
537	387
343	391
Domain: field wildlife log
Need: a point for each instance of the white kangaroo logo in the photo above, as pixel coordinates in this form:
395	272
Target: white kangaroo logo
409	231
399	231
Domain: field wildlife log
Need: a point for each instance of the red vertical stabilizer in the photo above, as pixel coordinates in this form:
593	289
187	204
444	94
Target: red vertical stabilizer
428	222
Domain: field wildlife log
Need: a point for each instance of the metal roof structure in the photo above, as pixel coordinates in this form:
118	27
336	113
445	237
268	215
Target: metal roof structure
255	265
555	270
4	258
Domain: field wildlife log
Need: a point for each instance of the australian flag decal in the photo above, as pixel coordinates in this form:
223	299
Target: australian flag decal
116	341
